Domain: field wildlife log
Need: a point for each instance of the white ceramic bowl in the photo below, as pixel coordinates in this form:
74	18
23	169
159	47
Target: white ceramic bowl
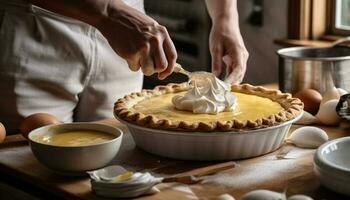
75	160
332	165
210	145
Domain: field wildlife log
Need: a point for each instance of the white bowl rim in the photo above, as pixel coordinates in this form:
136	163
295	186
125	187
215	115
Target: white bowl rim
214	133
78	124
323	163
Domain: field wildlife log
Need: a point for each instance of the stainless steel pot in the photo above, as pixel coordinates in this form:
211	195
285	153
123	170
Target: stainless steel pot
309	67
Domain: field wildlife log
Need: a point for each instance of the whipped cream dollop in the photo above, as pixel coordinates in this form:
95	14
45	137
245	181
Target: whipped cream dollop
208	94
114	181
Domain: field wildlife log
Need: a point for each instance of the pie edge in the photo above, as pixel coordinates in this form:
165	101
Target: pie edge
293	108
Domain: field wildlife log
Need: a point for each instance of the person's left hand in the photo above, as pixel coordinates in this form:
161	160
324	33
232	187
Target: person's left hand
226	45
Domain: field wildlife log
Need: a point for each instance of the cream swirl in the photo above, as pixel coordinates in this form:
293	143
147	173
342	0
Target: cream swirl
207	95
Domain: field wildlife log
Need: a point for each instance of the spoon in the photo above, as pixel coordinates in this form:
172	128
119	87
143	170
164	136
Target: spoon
193	76
190	177
186	179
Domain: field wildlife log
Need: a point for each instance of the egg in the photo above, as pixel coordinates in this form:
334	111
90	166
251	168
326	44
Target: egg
35	121
308	137
311	99
342	91
299	197
225	197
330	94
263	195
2	132
327	113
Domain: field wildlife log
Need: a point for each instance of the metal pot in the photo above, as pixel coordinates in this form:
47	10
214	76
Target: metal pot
310	67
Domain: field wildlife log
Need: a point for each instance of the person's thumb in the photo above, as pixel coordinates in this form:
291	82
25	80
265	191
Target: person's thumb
232	71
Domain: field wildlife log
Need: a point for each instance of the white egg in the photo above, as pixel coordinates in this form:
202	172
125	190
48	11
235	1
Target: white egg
263	195
308	137
300	197
331	93
225	197
327	113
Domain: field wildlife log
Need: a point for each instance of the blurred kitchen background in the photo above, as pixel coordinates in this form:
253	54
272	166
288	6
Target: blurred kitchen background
266	26
189	26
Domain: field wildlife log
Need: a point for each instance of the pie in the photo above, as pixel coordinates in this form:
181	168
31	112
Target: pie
259	107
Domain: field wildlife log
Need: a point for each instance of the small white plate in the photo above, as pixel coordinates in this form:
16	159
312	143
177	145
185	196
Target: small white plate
332	165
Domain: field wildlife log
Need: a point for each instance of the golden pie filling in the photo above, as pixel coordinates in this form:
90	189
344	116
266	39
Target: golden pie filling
257	107
250	107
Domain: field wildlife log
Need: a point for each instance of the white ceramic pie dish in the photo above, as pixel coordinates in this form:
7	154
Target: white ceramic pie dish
76	160
208	146
332	165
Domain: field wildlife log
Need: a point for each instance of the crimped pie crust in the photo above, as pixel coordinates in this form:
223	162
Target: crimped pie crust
293	107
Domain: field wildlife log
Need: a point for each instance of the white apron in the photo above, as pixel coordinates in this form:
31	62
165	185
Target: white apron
55	64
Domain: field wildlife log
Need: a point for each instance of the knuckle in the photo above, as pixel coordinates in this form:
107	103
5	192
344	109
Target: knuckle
156	40
162	65
172	56
145	47
162	29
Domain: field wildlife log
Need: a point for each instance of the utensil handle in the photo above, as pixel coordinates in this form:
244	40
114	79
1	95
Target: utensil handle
212	169
190	176
341	42
179	69
180	179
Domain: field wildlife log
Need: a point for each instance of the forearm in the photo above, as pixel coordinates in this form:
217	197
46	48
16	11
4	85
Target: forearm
223	10
226	43
134	36
89	11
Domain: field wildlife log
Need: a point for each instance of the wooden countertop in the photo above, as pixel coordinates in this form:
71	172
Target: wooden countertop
265	172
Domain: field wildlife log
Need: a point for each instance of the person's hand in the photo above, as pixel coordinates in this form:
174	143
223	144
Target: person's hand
139	39
227	46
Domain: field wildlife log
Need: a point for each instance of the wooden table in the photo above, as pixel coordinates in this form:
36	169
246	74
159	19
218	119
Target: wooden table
266	172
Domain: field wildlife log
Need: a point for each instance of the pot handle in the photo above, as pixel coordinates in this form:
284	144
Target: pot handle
342	42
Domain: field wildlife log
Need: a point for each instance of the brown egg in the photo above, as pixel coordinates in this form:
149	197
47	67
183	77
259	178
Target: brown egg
35	121
2	132
311	99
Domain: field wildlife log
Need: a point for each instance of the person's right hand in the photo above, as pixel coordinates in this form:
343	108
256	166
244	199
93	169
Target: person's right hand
139	39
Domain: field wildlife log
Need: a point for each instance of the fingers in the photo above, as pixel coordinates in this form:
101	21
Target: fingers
161	55
235	69
232	70
157	51
133	65
147	65
216	62
145	61
171	56
234	76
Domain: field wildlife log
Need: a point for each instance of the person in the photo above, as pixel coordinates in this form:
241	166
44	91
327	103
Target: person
74	59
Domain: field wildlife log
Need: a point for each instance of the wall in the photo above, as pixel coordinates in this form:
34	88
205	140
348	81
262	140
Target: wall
263	63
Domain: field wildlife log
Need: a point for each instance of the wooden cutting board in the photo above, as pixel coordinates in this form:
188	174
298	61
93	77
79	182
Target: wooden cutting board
294	172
